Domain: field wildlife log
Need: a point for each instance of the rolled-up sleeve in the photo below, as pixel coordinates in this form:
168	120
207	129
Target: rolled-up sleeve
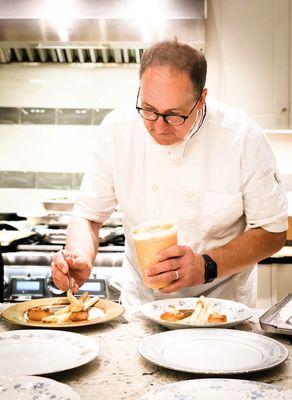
264	196
96	199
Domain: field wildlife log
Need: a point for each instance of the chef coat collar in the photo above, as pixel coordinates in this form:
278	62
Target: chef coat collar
176	150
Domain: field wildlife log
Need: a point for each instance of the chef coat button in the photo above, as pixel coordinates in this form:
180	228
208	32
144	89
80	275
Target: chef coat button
190	195
155	188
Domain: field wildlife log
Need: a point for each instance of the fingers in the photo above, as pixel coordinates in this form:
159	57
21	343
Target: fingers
173	287
80	268
65	259
164	266
171	252
60	261
169	259
77	263
168	276
60	279
67	253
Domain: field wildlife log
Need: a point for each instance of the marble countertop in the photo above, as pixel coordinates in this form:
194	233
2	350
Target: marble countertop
119	373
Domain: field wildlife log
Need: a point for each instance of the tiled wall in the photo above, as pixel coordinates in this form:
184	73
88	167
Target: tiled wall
52	116
53	156
45	160
40	180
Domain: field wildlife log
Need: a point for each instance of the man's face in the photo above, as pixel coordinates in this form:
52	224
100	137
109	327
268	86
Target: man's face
168	91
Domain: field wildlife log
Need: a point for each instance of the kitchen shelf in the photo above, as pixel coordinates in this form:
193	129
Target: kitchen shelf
278	131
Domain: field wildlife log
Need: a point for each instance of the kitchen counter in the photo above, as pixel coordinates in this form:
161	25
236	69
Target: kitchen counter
283	256
119	373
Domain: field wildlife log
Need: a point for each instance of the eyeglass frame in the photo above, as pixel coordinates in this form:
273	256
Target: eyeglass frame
163	115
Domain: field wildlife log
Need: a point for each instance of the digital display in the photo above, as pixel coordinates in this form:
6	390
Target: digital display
91	286
28	285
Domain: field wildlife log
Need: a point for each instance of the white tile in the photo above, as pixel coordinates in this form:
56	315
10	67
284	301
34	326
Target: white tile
51	148
28	200
114	85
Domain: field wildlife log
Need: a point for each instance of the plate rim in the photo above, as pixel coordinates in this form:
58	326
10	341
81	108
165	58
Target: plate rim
52	325
208	381
93	345
35	377
170	324
212	372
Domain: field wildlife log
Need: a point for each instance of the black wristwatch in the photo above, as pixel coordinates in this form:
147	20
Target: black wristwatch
210	268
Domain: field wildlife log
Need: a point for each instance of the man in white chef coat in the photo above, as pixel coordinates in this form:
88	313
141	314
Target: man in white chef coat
179	155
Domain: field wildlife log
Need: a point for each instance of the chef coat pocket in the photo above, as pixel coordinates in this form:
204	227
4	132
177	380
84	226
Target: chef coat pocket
220	211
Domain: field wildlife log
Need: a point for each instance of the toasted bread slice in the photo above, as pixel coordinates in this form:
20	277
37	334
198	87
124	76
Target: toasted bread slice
217	318
38	313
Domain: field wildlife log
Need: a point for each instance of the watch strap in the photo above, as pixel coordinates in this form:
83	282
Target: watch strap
210	268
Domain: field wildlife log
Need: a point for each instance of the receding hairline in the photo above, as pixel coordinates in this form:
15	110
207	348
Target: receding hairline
178	56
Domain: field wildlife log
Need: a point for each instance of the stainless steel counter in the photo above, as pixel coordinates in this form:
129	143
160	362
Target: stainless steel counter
119	373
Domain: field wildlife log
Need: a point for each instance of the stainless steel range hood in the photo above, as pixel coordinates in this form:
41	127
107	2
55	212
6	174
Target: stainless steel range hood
105	31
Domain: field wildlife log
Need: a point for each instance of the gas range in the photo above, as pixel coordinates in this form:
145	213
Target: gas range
27	265
27	276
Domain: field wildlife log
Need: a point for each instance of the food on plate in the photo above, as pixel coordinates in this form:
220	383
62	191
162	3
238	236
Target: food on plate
79	316
175	314
202	314
77	310
38	313
217	318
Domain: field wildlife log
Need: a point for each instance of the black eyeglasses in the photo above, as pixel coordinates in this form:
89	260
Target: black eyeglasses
170	119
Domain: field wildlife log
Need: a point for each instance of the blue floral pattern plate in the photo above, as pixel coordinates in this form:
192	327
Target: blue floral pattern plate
213	351
236	312
37	352
34	388
218	389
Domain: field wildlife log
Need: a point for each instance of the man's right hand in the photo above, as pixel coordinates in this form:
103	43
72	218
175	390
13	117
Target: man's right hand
80	269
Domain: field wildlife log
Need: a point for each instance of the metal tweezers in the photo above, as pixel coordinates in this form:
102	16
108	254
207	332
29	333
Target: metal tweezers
69	275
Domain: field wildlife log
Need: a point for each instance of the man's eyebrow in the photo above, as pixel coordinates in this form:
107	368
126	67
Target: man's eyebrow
171	110
148	105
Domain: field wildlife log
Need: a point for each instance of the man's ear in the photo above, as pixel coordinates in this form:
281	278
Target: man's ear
203	98
204	94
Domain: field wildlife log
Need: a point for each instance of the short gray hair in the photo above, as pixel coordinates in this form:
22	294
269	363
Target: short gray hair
180	56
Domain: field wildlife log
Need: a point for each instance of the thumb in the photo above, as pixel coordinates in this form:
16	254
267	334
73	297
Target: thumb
76	263
69	260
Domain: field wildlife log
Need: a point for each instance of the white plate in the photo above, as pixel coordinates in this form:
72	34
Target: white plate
17	313
235	312
213	351
20	387
36	352
218	389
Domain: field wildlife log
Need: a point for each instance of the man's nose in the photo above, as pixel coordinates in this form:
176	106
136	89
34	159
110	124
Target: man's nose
160	125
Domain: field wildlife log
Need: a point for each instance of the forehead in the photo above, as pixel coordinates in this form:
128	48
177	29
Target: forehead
163	85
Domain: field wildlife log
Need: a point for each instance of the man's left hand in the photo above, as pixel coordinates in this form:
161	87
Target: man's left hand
178	265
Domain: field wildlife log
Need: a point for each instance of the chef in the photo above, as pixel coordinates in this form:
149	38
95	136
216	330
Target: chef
178	155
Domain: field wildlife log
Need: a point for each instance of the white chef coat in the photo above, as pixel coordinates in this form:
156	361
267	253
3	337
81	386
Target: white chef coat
214	186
